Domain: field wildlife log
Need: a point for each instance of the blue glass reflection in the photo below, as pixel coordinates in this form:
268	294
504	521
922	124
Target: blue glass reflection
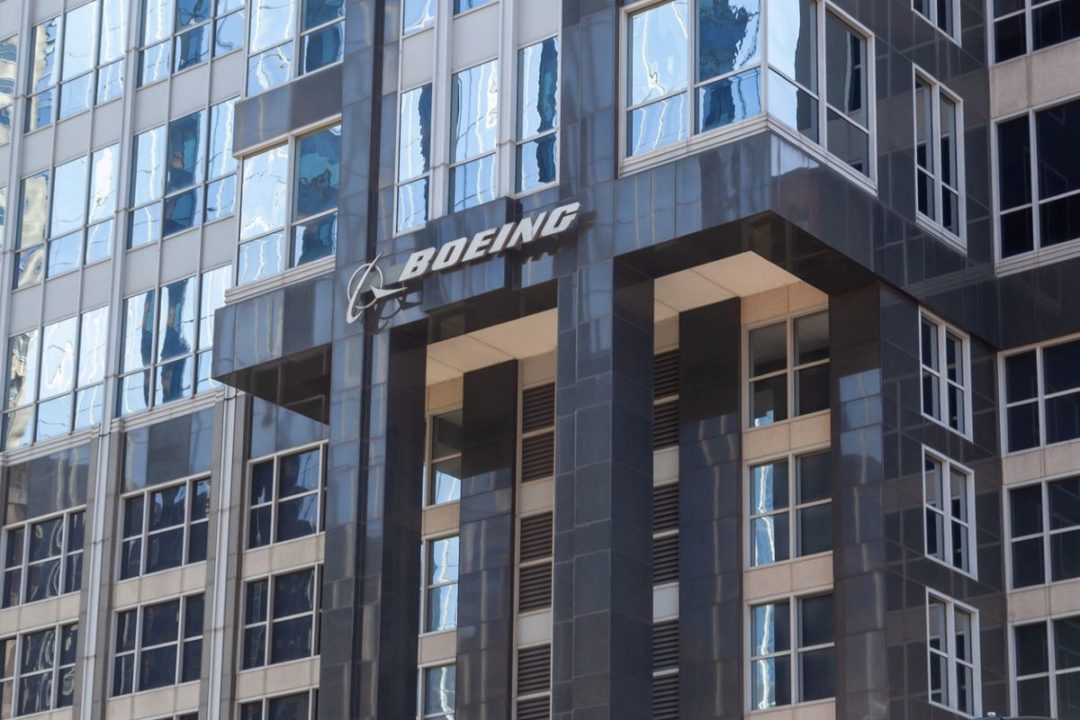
88	406
323	47
192	12
658	51
76	96
182	212
154	63
64	254
538	80
417	15
43	49
474	112
192	48
133	394
40	110
29	267
729	36
176	329
792	105
729	100
472	183
185	152
221	198
261	258
318	170
145	226
110	82
537	163
314	240
412	205
319	12
229	34
656	125
174	381
270	69
414	135
54	417
99	240
461	6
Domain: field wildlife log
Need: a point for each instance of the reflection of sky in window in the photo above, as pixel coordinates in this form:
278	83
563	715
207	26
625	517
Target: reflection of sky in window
58	358
659	40
417	15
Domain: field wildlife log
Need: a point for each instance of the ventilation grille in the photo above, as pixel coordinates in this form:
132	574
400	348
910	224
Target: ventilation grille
538	457
665	508
666	374
537	709
665	645
534	590
538	408
534	670
666	424
536	537
665	559
665	698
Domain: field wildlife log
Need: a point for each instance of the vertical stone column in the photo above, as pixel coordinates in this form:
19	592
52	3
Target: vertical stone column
602	666
486	571
711	666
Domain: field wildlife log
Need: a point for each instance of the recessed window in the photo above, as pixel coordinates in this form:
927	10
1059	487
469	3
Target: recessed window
158	645
441	584
939	156
1046	657
444	467
1021	26
1044	532
953	656
439	692
1038	159
298	706
286	497
39	670
790	508
276	53
946	393
44	558
180	34
943	14
281	618
1042	395
538	115
789	369
949	506
792	651
165	528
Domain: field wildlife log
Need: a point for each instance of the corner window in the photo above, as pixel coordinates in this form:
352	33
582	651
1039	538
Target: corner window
474	136
165	528
792	651
43	558
441	584
286	497
281	618
180	34
939	154
790	508
953	666
789	369
439	692
9	53
942	14
1022	26
538	115
1038	180
444	467
1044	532
1042	395
39	670
277	55
949	513
298	706
946	388
158	645
1046	658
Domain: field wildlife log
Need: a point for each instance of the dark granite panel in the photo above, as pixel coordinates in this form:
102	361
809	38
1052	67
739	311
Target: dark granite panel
277	113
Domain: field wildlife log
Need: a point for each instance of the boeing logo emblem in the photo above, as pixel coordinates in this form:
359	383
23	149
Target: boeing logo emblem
368	285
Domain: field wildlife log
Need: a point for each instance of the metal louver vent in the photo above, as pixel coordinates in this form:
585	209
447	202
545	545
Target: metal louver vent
534	670
536	537
665	559
534	588
665	645
665	506
538	456
666	424
665	698
536	709
538	408
666	374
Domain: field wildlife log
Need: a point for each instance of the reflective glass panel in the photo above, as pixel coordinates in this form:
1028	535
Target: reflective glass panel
658	54
315	239
538	82
69	197
214	285
323	47
110	82
104	174
138	331
440	690
461	6
270	69
22	369
93	339
793	41
229	34
265	192
417	15
729	100
272	22
64	254
80	51
414	137
33	220
43	51
221	198
729	36
192	48
318	171
185	152
658	124
58	357
319	12
176	325
221	160
113	30
157	20
474	112
148	166
192	12
845	69
261	258
473	183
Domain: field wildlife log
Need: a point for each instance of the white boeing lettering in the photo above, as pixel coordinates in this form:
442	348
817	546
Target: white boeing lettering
500	240
417	264
449	255
561	219
479	246
526	230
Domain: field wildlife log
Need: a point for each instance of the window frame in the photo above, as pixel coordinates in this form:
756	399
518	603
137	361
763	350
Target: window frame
932	224
1044	534
949	655
947	518
556	131
189	483
299	35
1039	399
172	41
430	460
264	703
180	642
276	458
1029	34
956	32
790	371
942	331
24	564
792	458
1052	671
427	545
268	623
421	687
14	681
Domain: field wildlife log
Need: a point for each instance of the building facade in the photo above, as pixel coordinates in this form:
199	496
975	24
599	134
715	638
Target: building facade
523	359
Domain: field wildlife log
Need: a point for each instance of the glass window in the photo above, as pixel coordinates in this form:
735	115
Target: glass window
322	35
263	206
937	153
277	54
1044	532
461	6
474	131
949	507
773	369
790	513
165	528
9	53
441	562
158	645
1021	26
299	706
944	14
285	497
1046	655
43	677
180	34
414	158
318	171
792	653
444	469
281	618
538	115
43	558
657	77
1042	395
440	692
954	677
417	15
945	384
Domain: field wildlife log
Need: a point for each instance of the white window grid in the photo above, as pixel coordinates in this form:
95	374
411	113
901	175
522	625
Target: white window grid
270	620
422	713
793	510
428	547
1045	534
932	15
11	677
935	222
264	703
523	139
145	533
167	49
946	516
275	498
433	460
793	652
949	655
1052	672
944	333
184	637
791	369
1026	9
298	42
1041	397
499	91
15	574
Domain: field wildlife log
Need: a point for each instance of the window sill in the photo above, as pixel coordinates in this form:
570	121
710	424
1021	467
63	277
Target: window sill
47	447
284	279
932	227
1037	258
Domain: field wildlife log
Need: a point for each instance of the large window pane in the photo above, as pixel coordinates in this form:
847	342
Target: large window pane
69	197
729	36
148	166
265	192
318	171
658	54
185	152
474	113
272	22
